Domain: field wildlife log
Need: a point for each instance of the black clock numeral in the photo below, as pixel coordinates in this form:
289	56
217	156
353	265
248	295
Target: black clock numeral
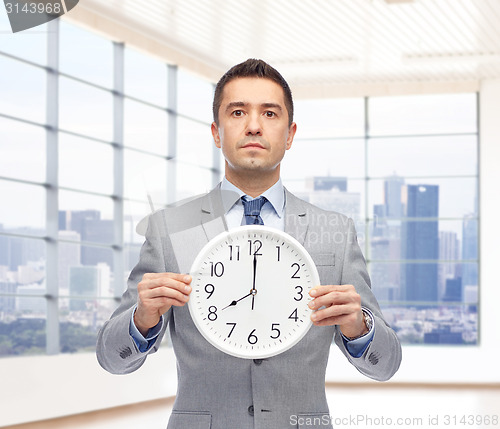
232	329
234	253
294	275
278	248
255	247
294	315
252	339
273	328
210	289
212	313
299	293
216	269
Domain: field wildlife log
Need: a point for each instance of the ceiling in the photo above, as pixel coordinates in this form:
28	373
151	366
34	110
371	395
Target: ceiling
322	47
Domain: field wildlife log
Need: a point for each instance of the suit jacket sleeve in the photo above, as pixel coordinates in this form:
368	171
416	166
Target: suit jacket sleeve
116	349
382	357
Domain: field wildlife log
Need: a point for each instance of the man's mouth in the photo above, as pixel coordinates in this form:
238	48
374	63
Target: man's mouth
253	145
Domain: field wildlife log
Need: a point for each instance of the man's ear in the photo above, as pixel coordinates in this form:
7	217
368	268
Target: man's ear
215	134
291	134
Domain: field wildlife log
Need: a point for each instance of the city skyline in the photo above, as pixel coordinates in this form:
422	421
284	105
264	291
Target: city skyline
404	228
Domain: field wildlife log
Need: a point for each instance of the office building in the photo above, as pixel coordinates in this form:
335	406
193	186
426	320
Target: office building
470	250
449	254
420	243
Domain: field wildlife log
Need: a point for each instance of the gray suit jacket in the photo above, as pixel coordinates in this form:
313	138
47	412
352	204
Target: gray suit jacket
219	391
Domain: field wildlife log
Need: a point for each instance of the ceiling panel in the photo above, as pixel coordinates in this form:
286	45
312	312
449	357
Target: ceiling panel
316	43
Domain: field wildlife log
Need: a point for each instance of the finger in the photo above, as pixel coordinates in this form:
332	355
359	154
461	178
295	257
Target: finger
320	290
334	311
165	302
184	278
167	281
162	293
332	299
336	297
325	319
159	305
324	289
329	321
178	303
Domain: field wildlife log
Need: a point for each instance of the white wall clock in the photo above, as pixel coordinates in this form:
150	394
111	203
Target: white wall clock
250	291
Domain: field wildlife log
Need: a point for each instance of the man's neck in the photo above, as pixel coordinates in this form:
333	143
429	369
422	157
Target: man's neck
253	185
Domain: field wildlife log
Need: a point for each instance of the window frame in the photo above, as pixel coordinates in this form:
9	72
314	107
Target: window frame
119	247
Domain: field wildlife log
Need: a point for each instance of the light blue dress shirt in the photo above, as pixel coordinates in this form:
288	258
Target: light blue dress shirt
272	214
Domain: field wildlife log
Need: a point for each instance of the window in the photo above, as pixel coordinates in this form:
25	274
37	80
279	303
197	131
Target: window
406	170
23	98
114	154
145	78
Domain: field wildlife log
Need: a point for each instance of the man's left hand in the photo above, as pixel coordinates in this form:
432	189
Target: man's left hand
342	307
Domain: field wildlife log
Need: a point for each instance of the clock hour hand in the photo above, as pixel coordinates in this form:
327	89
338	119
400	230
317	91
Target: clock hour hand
233	303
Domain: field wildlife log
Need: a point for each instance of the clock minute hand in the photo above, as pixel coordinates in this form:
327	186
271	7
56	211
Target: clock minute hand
254	291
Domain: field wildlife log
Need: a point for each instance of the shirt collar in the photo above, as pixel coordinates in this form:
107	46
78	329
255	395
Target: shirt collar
275	195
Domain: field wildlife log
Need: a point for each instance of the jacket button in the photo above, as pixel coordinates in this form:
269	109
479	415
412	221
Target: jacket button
250	410
257	361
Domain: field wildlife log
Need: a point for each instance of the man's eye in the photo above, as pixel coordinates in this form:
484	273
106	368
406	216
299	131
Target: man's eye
270	114
237	113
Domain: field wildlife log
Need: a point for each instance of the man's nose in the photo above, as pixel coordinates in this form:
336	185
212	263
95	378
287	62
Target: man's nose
254	126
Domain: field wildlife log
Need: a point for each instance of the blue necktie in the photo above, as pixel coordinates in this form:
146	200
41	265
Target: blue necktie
252	210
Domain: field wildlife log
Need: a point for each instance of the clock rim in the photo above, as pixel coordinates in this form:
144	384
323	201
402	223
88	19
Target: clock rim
222	236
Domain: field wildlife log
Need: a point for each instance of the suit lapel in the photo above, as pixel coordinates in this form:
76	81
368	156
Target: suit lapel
296	221
213	220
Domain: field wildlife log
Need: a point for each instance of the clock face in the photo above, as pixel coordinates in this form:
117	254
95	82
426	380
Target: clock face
250	291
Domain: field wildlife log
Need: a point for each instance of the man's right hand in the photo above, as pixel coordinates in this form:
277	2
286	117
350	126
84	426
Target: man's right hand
157	293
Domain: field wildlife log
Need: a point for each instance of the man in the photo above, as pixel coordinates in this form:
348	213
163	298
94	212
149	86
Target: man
253	126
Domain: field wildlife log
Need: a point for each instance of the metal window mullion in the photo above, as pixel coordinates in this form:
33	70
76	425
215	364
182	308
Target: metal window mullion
52	197
367	197
216	153
216	171
172	133
118	167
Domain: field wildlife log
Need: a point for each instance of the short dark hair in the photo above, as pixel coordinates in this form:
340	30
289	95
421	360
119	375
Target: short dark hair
252	68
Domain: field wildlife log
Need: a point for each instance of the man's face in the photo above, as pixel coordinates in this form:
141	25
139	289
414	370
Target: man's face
253	129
